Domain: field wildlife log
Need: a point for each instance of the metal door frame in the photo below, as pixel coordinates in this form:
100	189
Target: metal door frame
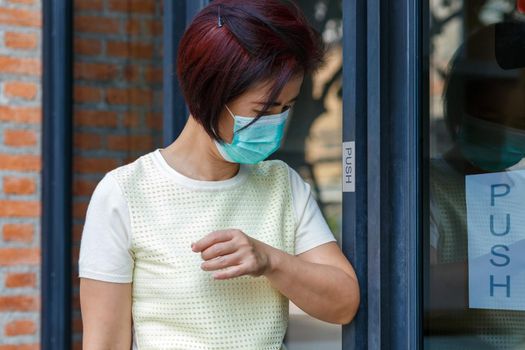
382	223
56	199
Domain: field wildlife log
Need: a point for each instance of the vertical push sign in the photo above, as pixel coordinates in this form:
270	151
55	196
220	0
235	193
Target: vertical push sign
496	240
349	166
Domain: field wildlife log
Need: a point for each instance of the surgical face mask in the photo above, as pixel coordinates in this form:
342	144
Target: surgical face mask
256	142
491	146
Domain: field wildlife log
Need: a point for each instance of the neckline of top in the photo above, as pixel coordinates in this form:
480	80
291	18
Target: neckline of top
182	179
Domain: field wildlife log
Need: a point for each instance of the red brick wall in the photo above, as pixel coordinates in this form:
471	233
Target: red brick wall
117	99
20	165
117	117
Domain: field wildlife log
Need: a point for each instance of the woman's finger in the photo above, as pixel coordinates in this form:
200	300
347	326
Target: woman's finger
229	272
222	262
218	249
212	238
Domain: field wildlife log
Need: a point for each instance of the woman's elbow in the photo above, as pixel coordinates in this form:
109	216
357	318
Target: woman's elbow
349	303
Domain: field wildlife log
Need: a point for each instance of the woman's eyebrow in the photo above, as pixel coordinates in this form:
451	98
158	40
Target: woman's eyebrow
277	103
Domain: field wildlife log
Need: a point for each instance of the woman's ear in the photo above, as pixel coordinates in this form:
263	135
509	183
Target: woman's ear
225	125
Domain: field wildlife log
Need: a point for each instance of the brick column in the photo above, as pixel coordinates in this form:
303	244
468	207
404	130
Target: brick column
20	165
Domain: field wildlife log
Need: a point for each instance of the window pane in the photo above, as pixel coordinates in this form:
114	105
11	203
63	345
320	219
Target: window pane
475	281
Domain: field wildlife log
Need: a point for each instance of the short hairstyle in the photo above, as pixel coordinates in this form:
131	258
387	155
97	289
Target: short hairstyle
253	41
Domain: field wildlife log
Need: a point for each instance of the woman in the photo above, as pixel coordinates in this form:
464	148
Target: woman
201	245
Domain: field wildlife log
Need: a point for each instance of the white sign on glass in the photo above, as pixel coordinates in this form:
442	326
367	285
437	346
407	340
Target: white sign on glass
496	240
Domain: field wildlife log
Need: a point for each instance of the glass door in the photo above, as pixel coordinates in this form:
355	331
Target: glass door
475	228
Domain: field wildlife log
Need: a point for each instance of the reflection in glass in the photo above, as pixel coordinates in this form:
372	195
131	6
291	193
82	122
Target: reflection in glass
475	284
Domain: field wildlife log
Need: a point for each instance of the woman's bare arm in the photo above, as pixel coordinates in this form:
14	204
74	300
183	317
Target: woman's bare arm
320	281
106	315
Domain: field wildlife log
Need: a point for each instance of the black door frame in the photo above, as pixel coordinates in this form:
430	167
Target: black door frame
382	114
57	156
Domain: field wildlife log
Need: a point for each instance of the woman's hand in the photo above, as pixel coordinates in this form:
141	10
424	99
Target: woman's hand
320	281
235	252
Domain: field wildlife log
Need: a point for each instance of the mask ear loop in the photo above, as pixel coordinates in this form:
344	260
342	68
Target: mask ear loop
231	113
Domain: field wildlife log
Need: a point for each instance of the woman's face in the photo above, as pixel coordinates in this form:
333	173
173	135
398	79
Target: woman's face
252	102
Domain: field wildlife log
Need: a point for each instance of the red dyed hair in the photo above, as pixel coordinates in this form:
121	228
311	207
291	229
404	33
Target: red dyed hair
259	40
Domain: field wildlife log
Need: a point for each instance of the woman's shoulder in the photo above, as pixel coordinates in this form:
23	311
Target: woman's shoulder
134	170
299	188
268	169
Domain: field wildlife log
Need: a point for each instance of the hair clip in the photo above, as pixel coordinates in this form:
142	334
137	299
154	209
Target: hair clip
219	20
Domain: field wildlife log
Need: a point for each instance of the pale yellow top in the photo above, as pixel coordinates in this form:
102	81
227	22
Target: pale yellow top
177	305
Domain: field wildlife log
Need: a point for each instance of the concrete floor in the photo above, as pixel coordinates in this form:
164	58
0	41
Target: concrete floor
307	333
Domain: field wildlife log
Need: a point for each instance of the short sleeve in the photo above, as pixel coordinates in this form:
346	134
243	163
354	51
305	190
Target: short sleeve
312	229
105	245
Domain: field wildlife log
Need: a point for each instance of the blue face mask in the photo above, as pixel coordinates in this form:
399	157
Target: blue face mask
491	146
256	142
